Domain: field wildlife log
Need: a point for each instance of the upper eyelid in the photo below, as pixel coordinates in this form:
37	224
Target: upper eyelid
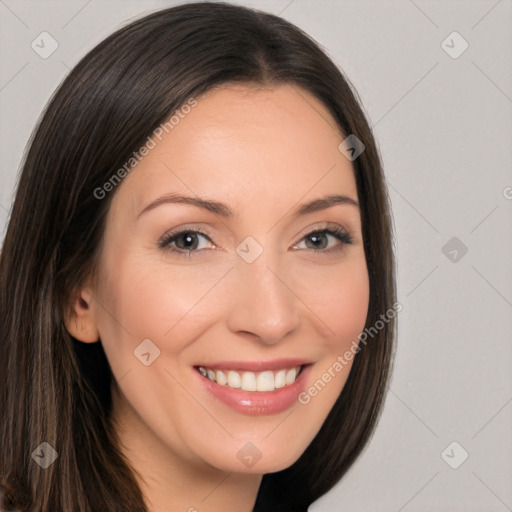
325	226
319	226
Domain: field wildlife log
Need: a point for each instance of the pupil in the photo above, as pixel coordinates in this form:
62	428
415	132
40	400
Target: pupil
188	238
316	239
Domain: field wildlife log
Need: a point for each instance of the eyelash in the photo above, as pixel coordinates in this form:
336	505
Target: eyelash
335	231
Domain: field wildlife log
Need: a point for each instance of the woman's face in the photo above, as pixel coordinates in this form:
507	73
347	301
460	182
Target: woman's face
244	292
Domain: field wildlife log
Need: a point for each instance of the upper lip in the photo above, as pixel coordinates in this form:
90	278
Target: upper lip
256	366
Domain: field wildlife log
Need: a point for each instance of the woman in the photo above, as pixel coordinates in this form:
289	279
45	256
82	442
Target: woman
199	246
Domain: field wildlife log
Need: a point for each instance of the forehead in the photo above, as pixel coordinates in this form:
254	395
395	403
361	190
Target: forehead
246	146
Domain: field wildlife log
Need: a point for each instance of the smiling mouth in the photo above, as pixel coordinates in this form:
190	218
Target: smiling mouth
264	381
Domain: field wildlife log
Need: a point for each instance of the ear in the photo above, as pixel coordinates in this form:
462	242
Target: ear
79	319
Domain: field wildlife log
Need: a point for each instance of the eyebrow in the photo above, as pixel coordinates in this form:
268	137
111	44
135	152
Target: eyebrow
225	211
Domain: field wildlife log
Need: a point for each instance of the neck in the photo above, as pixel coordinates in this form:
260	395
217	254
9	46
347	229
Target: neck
172	484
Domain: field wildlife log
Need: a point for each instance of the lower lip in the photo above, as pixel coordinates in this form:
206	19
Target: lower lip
256	402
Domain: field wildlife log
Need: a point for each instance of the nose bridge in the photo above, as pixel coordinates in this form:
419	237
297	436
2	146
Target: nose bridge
262	302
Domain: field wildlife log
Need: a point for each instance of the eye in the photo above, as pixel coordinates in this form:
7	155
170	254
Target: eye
320	240
185	242
189	241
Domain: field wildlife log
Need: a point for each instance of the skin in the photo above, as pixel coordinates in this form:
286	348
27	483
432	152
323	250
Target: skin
263	152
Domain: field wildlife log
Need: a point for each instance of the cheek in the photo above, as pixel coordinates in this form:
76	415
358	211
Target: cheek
148	300
348	309
338	295
342	305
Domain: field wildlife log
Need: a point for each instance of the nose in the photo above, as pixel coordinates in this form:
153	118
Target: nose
263	303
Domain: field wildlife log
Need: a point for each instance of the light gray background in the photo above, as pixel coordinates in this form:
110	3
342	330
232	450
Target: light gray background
444	127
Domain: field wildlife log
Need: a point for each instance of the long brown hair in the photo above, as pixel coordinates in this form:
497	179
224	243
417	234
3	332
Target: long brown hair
53	388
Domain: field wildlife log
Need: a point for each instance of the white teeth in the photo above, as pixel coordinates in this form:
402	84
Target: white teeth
290	376
221	378
265	381
233	379
280	379
250	381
